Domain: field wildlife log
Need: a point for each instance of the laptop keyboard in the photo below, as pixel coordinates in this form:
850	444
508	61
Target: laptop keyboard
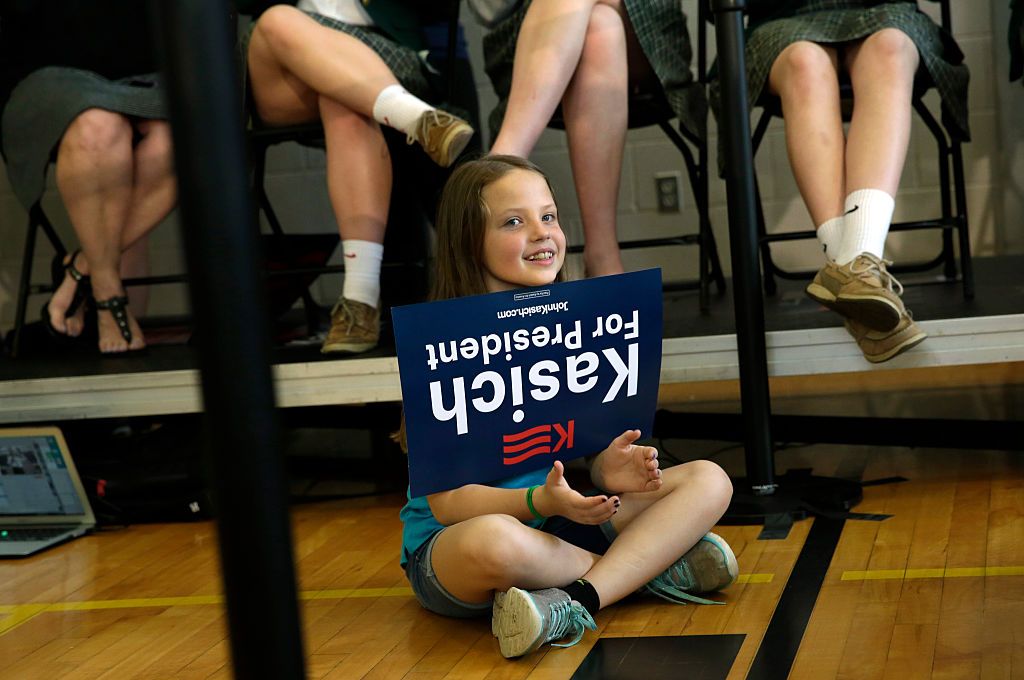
30	534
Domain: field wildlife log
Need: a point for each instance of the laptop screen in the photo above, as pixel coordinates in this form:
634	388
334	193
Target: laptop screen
35	479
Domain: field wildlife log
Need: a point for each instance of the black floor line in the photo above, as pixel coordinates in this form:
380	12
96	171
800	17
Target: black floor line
786	629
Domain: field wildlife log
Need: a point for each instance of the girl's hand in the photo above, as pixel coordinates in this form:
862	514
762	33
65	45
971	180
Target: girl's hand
625	467
556	497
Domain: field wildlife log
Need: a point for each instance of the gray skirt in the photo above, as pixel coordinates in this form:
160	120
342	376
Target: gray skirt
44	104
829	22
660	27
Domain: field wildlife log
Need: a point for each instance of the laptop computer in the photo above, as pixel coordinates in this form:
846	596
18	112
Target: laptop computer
42	502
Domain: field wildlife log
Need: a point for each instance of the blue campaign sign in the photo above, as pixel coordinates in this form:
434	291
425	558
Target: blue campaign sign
500	384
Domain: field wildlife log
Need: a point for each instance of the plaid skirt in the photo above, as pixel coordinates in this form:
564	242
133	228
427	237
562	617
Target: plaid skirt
44	104
660	27
408	67
839	21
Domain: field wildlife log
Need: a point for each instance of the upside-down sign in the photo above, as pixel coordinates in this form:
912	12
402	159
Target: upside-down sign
499	384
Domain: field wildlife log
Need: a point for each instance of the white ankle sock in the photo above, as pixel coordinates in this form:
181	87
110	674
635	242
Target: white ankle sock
830	234
867	219
396	108
362	270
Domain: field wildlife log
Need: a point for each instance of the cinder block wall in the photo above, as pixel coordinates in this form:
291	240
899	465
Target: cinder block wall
994	169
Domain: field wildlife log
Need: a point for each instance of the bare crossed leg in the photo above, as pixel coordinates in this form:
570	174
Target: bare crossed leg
476	557
115	193
582	54
826	165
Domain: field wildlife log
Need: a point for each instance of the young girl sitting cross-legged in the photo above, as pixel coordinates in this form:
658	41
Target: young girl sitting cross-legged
538	554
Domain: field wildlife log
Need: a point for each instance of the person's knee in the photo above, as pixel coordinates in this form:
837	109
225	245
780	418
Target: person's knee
803	65
502	546
278	25
890	47
97	134
605	25
158	148
714	483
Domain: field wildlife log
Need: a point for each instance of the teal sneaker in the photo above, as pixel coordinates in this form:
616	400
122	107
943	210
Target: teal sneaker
524	620
709	565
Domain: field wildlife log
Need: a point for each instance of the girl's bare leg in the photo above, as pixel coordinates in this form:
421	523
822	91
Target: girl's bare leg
474	558
595	107
358	172
882	69
692	498
153	195
548	50
805	77
135	264
95	167
293	60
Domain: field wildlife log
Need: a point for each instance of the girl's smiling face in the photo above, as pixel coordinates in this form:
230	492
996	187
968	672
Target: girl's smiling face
523	242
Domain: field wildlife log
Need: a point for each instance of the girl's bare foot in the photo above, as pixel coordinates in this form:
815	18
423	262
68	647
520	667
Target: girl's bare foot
111	308
64	297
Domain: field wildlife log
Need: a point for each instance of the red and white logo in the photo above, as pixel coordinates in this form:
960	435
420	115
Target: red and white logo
535	441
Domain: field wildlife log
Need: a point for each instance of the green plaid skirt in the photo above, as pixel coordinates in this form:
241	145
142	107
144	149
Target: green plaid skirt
839	21
660	27
406	65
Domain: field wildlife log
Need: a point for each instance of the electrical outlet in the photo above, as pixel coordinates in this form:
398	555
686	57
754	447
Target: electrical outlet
669	187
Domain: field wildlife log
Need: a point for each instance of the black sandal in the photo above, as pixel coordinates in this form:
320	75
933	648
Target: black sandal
117	306
58	270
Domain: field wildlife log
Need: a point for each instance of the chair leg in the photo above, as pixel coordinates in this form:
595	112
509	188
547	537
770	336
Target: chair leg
767	264
24	285
948	253
262	204
966	265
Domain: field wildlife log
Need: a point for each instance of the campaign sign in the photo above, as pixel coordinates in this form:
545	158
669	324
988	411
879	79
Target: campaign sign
500	384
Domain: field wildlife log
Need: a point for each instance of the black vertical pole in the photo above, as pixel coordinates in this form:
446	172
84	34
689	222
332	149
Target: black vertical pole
232	330
739	167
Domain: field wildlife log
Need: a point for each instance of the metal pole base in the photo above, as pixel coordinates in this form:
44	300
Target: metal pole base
798	495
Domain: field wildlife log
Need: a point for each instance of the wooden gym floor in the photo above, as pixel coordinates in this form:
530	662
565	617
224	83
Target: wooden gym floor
935	591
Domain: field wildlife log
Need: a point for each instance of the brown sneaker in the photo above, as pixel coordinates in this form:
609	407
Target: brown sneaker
442	136
355	327
862	290
879	346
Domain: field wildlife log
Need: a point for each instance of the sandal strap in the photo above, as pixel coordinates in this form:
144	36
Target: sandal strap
117	306
72	269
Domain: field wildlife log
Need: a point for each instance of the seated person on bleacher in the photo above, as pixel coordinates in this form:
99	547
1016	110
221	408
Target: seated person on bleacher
588	56
797	50
78	85
354	66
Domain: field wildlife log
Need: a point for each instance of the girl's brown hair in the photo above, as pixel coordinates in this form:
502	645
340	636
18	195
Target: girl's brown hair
461	222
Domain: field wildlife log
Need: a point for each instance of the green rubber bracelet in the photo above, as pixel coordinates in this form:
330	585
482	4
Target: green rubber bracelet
529	502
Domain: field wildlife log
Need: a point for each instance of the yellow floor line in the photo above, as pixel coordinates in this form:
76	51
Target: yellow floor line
940	572
755	578
17	614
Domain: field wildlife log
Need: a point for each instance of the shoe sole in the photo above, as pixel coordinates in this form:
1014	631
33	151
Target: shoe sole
347	347
516	623
731	564
876	312
897	350
454	143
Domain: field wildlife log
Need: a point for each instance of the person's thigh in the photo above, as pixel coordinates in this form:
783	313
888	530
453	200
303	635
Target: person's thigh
429	591
475	557
280	97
